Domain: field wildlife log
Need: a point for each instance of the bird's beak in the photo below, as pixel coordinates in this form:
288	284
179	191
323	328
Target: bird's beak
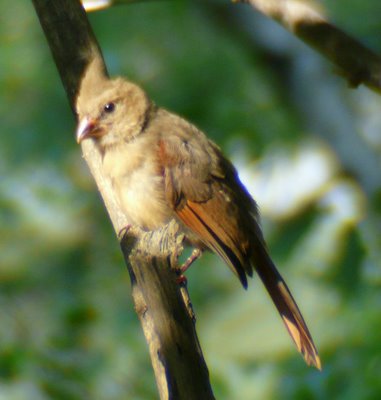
85	128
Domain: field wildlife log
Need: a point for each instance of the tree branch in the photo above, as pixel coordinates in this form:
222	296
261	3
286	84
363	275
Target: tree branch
168	326
357	63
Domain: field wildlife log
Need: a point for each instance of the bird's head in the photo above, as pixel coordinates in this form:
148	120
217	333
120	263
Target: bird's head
109	111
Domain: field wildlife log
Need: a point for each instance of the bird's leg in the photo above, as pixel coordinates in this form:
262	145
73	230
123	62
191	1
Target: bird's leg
123	232
196	253
181	278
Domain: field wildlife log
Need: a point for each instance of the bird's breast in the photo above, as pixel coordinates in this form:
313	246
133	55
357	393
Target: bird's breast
139	186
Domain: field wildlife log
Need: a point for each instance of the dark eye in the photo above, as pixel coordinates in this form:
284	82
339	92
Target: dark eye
109	107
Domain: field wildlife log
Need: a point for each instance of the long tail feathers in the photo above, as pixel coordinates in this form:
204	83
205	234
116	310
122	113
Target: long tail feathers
288	309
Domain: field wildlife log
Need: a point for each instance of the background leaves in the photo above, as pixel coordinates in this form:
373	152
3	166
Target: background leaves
306	146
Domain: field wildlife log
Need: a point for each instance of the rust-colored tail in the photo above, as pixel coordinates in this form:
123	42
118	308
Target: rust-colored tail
287	308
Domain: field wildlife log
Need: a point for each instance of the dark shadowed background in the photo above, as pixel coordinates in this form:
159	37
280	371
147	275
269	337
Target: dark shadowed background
307	147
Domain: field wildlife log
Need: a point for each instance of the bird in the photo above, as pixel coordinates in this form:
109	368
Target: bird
163	167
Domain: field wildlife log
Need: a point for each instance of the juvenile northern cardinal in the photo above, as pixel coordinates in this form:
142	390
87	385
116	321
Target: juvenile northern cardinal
162	168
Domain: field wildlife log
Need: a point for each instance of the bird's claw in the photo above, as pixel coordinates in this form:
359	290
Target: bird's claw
181	279
123	232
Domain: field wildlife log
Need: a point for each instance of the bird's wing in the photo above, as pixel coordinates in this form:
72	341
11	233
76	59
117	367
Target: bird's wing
203	188
198	188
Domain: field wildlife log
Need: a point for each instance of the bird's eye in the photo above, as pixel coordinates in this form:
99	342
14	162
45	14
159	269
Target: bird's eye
109	107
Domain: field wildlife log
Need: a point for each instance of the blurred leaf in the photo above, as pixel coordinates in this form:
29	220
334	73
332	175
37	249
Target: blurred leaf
305	146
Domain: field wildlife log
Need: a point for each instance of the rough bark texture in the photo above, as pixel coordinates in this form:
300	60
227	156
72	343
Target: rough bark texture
162	305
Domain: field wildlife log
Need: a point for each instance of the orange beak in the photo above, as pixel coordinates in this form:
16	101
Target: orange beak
86	128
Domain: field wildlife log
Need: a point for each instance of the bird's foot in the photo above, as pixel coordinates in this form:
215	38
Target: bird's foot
123	232
181	279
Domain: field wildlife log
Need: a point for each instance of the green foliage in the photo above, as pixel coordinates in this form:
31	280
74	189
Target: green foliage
307	147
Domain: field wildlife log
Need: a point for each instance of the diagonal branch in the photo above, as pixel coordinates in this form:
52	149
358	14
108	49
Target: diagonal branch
356	62
168	326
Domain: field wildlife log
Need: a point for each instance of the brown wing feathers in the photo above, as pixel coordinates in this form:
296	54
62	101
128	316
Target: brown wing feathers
194	216
224	218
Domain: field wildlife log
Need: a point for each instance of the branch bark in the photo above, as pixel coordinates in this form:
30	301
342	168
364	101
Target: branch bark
355	62
162	306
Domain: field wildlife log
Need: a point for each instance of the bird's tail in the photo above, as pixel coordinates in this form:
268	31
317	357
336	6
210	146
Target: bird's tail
287	308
